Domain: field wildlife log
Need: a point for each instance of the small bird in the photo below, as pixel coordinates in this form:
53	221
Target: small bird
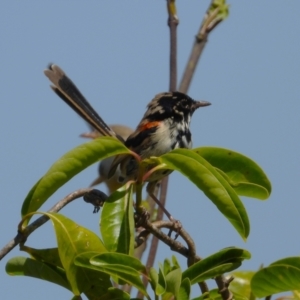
111	182
165	126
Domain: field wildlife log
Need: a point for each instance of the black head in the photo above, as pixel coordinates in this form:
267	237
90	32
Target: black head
172	104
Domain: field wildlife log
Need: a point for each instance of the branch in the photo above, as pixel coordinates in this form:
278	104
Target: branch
223	285
22	236
189	252
173	21
215	14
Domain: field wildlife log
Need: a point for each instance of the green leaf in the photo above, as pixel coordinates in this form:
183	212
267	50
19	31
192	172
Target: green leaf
162	284
281	276
153	278
292	261
241	283
50	255
175	262
243	174
115	294
214	186
166	267
119	259
67	167
223	261
157	281
296	294
123	272
72	240
223	8
29	267
76	297
117	221
211	295
173	281
184	290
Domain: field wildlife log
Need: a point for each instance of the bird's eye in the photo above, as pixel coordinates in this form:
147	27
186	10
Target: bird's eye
184	103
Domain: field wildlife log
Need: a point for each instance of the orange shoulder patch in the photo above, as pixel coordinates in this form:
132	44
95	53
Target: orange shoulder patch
148	125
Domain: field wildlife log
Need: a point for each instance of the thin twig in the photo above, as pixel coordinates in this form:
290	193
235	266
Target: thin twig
212	18
22	236
173	22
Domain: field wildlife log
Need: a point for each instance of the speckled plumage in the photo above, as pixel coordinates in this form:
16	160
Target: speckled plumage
165	125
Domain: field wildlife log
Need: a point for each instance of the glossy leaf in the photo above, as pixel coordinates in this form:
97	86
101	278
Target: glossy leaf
72	239
166	266
67	167
158	281
243	174
119	259
175	262
173	281
281	276
170	276
241	283
29	267
117	221
185	289
123	272
162	283
223	261
50	255
214	186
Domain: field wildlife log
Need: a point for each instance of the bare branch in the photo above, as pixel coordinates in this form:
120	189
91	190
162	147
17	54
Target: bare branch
215	14
173	21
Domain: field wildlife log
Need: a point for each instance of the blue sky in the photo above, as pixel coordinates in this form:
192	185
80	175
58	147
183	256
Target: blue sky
117	54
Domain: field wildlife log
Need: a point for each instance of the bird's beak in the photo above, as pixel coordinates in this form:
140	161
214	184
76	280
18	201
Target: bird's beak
198	104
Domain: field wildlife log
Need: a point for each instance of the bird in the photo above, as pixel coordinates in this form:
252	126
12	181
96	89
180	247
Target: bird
165	126
111	182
